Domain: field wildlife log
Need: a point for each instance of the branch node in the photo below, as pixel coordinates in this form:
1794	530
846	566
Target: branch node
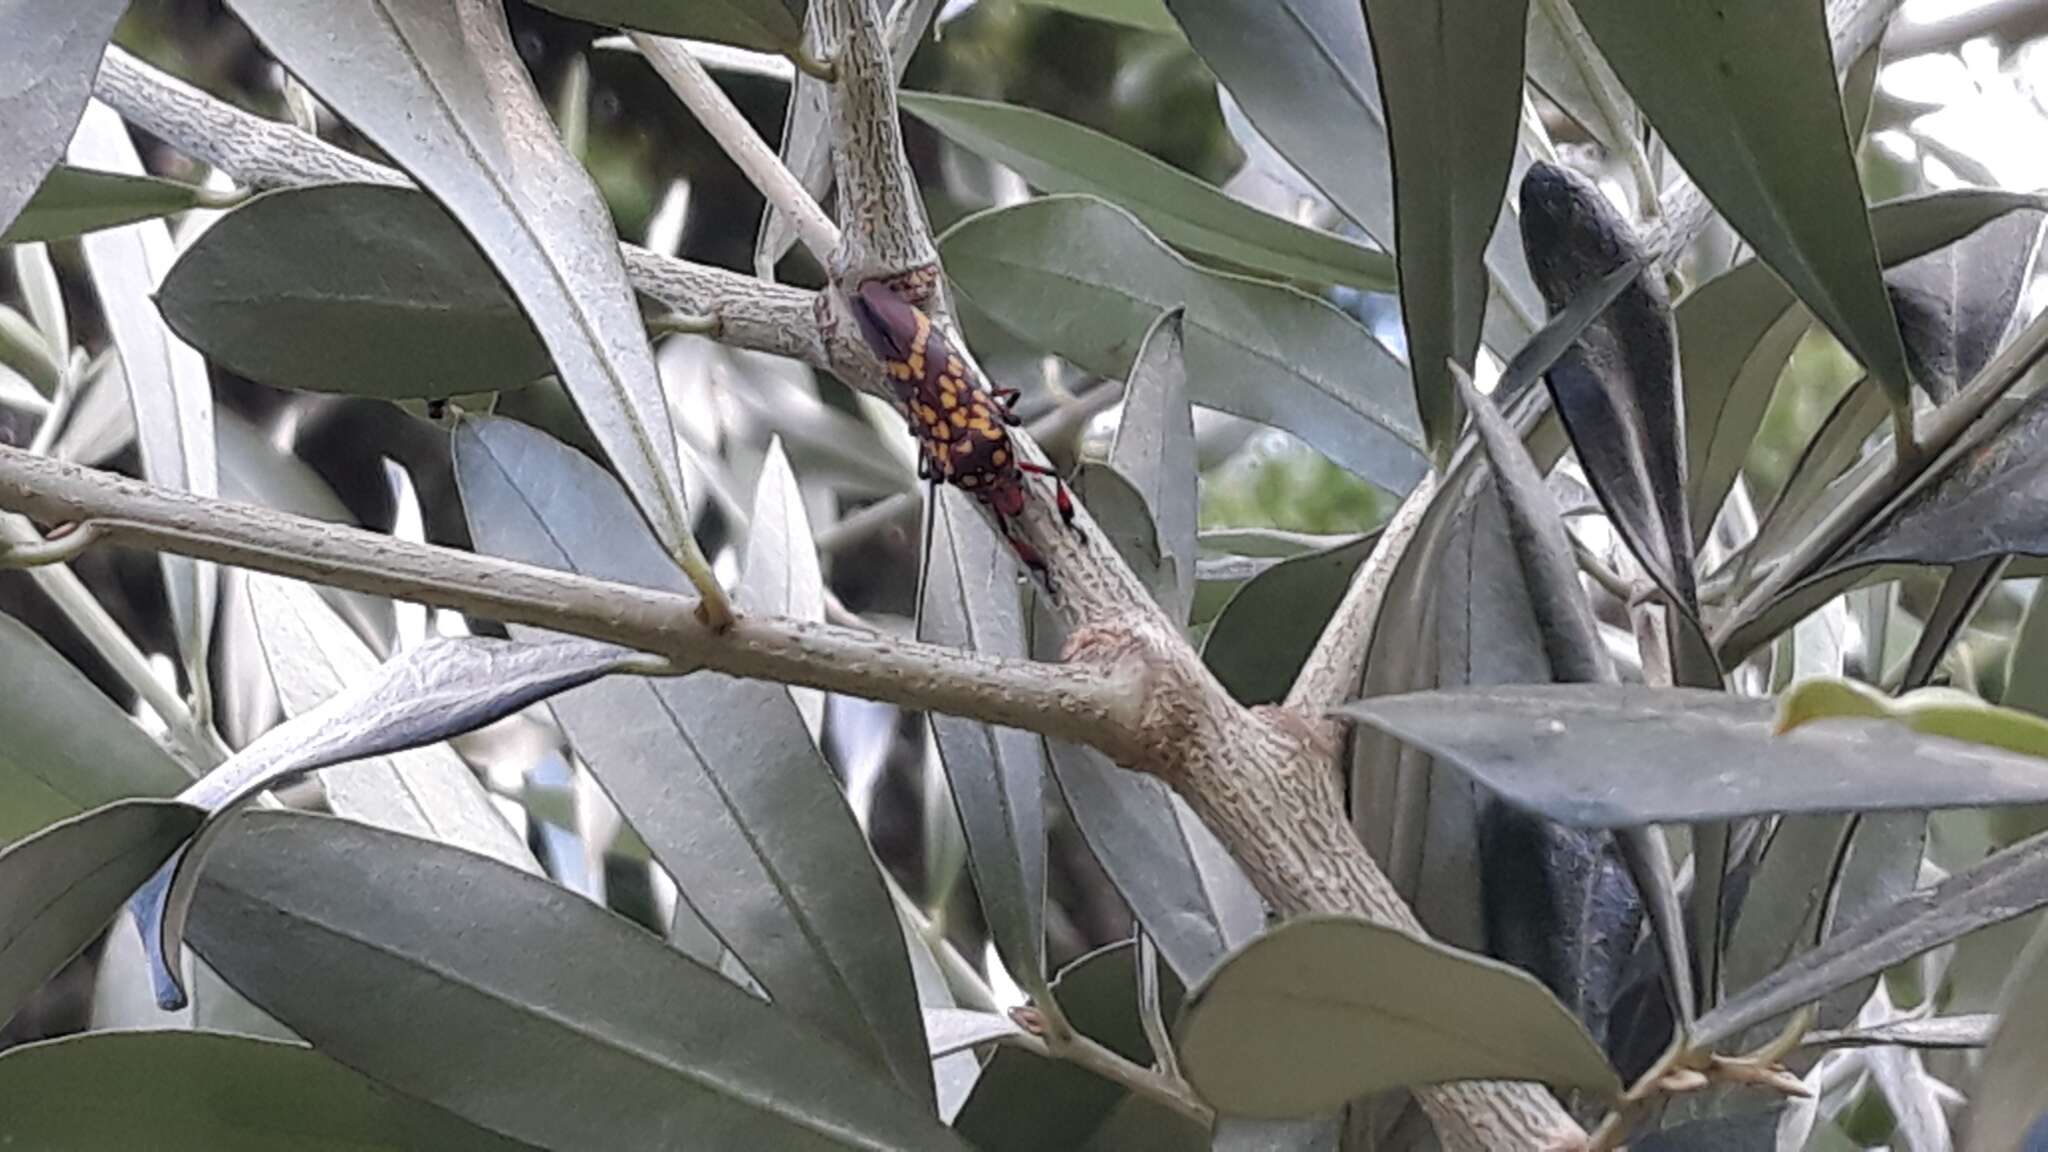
823	68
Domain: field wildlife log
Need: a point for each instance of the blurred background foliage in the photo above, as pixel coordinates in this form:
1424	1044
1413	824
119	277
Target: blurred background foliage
671	186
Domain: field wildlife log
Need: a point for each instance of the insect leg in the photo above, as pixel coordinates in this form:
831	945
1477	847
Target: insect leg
1064	502
1006	400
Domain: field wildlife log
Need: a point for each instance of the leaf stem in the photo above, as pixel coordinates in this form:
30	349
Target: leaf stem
717	113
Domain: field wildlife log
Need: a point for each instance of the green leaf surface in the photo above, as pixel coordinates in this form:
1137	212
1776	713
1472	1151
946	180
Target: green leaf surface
1155	450
520	1006
780	573
1009	1112
1451	86
719	776
2006	1103
60	887
169	390
763	25
1617	756
50	52
1061	156
1182	884
1736	332
73	201
971	600
1258	642
361	289
1577	77
441	89
1082	278
2004	885
1323	1009
175	1091
1743	92
67	747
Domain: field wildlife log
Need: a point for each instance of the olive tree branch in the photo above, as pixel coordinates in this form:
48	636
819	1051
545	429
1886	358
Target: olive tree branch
1093	705
680	70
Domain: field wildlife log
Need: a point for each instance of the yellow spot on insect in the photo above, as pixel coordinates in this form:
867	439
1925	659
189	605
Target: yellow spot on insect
949	399
959	418
916	362
954	366
999	457
996	433
970	481
899	369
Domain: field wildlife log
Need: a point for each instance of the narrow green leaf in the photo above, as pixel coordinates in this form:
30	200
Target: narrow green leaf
1743	92
211	1092
1451	86
544	1019
1618	755
1061	156
763	25
719	776
453	105
73	201
1082	278
972	600
1258	642
1154	449
2006	884
1287	1026
60	887
361	289
51	52
169	390
780	574
2006	1104
67	747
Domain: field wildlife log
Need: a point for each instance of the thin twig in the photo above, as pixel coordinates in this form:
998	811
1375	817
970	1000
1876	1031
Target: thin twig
708	102
1093	705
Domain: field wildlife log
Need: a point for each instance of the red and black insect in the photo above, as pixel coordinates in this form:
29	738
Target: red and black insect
960	426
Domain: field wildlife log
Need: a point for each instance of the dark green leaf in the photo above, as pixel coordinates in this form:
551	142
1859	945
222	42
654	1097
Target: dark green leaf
178	1091
1008	1111
1451	86
1181	883
719	776
1258	642
1575	76
1616	756
1300	69
763	25
2006	884
354	288
971	600
67	747
1080	277
1286	1026
51	52
1155	449
60	887
1743	92
453	105
2006	1101
1616	390
1123	518
72	201
435	690
544	1018
1060	156
1736	332
1954	304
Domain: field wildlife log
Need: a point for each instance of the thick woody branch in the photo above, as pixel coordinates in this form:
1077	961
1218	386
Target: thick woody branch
1092	705
886	231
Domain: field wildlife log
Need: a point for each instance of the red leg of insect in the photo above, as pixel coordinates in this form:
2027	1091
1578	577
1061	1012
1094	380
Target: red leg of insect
1028	555
1060	497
